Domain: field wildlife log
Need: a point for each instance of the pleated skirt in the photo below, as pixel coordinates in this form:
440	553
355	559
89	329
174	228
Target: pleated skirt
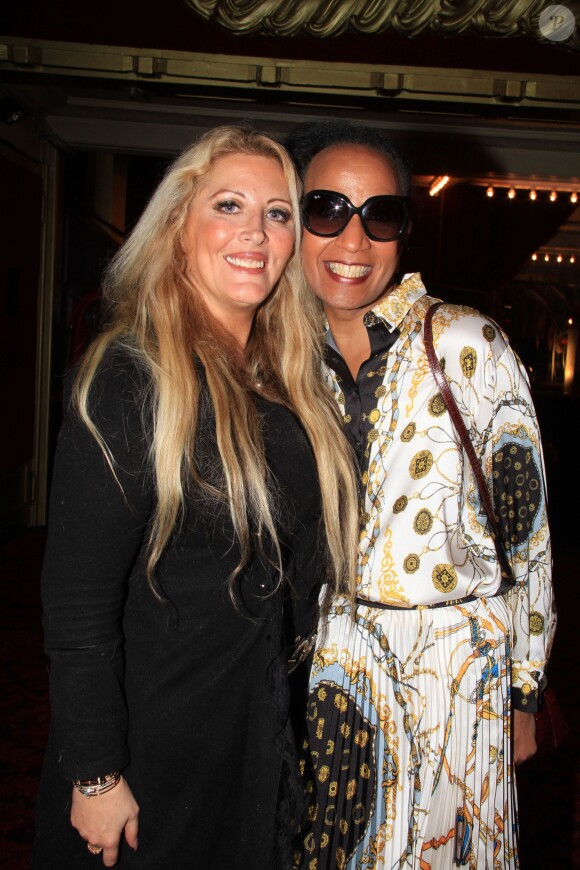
407	759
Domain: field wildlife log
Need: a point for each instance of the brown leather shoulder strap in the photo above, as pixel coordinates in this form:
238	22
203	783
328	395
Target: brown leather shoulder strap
461	430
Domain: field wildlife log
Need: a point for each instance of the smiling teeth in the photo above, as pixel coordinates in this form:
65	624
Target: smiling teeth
246	264
349	271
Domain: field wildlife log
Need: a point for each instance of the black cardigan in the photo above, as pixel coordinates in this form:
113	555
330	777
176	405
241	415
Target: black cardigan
186	693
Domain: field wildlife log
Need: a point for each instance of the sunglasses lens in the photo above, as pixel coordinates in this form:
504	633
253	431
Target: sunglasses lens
385	218
325	215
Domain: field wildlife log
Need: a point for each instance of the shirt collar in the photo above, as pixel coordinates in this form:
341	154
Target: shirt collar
393	307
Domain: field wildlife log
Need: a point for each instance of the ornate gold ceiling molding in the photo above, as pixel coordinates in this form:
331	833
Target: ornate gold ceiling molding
327	18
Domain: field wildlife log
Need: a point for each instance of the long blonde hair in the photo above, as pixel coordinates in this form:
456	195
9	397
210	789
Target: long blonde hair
159	316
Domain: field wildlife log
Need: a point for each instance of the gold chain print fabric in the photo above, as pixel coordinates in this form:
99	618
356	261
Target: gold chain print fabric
407	758
401	742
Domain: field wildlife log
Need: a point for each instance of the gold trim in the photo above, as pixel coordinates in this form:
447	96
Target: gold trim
319	18
291	77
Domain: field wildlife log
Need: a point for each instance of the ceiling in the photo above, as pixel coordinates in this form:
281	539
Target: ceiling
508	117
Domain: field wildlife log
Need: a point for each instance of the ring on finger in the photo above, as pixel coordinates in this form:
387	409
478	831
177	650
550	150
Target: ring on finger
94	850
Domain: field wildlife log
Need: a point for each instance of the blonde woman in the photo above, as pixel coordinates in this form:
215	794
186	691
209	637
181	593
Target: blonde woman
200	480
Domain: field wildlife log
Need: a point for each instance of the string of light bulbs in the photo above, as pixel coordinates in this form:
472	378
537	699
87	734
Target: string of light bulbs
513	190
553	257
533	193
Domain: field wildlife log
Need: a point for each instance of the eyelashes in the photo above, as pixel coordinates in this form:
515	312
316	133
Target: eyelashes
280	214
227	206
275	213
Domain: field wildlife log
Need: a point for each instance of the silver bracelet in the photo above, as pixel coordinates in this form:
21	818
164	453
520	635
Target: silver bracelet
100	785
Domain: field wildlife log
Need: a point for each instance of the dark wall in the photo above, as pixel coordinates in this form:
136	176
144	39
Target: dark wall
20	227
20	195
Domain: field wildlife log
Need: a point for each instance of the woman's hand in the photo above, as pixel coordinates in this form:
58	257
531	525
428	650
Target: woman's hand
524	736
100	820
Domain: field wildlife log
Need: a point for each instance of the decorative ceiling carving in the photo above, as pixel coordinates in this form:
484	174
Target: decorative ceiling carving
327	18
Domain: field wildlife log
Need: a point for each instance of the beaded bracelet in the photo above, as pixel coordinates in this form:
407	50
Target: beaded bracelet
100	785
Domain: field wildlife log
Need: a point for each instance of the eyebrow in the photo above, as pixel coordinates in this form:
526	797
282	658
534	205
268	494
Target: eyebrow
229	190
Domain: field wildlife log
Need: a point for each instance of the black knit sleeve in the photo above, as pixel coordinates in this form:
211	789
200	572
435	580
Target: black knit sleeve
96	531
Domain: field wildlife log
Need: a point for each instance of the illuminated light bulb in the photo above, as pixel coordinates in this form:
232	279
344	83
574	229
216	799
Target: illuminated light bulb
570	322
438	185
572	259
533	195
511	193
547	258
534	257
490	191
559	258
574	197
553	196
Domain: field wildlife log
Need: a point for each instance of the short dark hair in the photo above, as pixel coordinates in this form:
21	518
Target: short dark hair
307	141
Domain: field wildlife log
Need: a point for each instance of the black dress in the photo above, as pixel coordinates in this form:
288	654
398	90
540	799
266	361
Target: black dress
186	693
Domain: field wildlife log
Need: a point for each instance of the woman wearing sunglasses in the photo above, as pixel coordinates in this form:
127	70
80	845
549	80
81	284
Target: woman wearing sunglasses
421	668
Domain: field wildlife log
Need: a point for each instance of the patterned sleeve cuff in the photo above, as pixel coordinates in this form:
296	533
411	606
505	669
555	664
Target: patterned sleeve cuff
527	685
527	702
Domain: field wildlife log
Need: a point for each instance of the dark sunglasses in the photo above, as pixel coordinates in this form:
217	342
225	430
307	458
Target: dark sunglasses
326	213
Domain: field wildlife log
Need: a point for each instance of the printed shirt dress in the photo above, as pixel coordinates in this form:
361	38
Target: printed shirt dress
407	758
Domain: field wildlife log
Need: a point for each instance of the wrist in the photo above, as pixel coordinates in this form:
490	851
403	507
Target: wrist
100	785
